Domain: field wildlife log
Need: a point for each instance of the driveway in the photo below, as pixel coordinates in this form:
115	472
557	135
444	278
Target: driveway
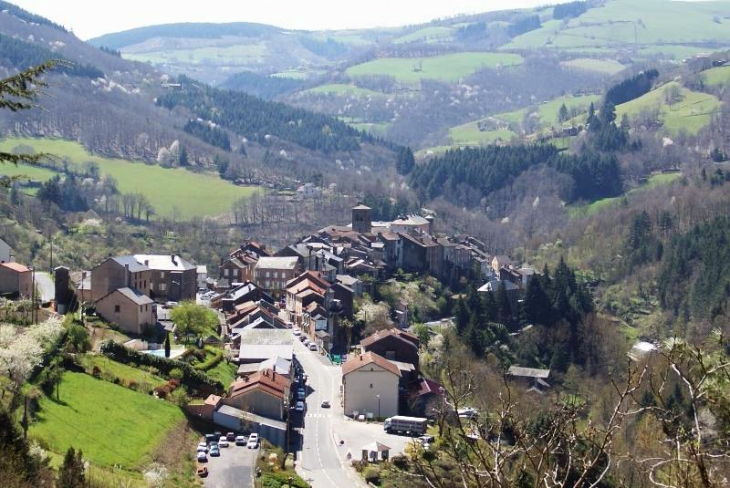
234	467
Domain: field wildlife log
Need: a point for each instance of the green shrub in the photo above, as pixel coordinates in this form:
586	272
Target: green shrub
371	474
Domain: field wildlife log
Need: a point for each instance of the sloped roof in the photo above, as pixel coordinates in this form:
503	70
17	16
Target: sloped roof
265	380
135	266
362	360
136	296
286	262
426	387
521	372
165	262
392	332
17	267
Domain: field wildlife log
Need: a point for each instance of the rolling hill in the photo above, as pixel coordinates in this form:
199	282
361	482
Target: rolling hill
109	105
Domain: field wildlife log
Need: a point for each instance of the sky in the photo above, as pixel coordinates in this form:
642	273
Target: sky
92	18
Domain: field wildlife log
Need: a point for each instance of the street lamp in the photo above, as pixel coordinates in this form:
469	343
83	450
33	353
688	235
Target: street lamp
378	397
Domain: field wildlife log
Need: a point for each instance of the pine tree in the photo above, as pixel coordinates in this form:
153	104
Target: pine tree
167	345
563	114
71	473
405	162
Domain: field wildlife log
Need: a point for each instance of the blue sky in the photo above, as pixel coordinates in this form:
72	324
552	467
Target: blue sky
91	18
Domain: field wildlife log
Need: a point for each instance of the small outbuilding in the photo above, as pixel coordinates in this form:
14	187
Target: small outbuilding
374	452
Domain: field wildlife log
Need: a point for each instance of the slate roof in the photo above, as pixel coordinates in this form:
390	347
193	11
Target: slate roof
277	263
136	296
521	372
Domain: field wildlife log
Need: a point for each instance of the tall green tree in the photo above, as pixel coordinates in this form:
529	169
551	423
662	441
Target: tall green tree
71	474
191	318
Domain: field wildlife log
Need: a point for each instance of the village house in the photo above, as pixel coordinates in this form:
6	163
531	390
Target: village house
308	190
263	393
161	277
530	378
370	386
273	273
16	278
128	309
240	264
6	252
399	347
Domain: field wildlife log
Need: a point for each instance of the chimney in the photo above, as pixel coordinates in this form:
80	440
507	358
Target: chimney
245	378
360	357
172	256
273	377
126	275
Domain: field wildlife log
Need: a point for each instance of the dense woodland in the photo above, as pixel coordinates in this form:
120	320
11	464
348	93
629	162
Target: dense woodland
257	119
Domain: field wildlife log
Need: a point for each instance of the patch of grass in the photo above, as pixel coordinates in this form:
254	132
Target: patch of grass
213	55
470	135
119	370
626	23
606	66
434	33
344	90
377	128
111	424
717	76
692	112
448	67
224	372
169	190
599	205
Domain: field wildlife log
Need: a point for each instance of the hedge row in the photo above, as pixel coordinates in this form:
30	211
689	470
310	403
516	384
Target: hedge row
191	376
210	363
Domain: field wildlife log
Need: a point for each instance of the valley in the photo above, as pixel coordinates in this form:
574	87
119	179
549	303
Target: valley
503	233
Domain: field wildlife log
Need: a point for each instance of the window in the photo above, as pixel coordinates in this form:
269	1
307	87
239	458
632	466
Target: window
371	385
144	284
163	286
276	274
152	285
268	275
162	274
141	308
225	272
116	308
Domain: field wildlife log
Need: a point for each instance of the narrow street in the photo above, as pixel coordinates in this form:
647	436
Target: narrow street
319	459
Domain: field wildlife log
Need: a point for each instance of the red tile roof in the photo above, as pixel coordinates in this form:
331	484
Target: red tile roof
382	334
265	380
20	268
362	360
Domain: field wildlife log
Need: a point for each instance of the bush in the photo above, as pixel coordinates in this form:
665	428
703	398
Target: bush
190	376
281	479
371	474
176	373
210	363
96	372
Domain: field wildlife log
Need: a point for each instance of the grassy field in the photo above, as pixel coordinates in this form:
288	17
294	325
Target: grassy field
121	371
598	205
717	76
224	372
376	128
435	33
223	55
606	66
691	113
469	135
193	195
111	424
626	23
342	89
448	67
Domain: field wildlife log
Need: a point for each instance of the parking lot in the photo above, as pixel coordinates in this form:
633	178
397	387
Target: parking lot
234	467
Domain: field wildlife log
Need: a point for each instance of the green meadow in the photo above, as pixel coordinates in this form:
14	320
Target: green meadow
111	424
170	191
448	67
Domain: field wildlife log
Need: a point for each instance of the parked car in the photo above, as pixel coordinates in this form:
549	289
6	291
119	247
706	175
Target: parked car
304	378
425	439
210	438
203	449
297	332
241	440
223	442
202	457
253	441
312	346
467	413
301	393
325	404
302	338
299	407
231	436
202	471
214	451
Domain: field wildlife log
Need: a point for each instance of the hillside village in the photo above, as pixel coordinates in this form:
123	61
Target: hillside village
267	300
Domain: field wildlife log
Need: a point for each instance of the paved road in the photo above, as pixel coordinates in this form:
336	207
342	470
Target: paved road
234	467
45	285
320	461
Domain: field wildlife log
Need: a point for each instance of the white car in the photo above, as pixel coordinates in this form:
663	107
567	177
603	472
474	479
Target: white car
299	407
202	457
223	442
241	440
203	449
297	332
253	441
312	346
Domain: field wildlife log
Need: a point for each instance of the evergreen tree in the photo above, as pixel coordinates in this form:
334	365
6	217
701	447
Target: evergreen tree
563	114
405	162
71	473
537	304
167	345
17	466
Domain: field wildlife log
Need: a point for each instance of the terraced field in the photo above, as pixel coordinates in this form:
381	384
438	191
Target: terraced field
606	66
